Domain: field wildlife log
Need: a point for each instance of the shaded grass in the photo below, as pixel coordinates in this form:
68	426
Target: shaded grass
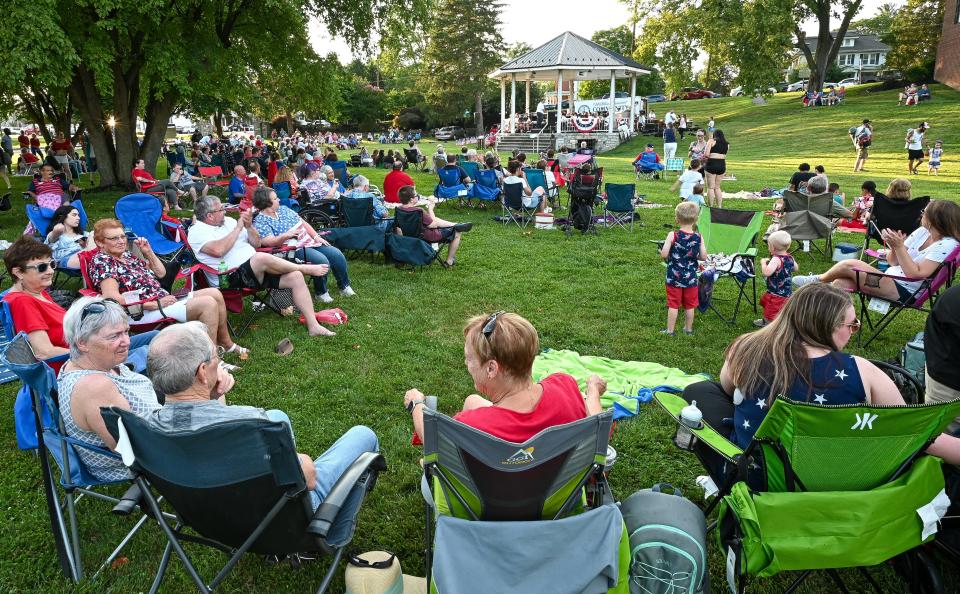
597	295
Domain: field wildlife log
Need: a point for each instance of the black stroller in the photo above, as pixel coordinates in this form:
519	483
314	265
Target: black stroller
584	190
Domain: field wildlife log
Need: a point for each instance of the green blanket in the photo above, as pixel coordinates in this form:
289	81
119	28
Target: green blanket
626	380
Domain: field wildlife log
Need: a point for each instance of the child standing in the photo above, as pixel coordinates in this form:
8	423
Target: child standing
778	269
933	165
682	249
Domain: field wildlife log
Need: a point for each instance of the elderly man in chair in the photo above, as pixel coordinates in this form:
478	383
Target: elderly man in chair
216	238
183	366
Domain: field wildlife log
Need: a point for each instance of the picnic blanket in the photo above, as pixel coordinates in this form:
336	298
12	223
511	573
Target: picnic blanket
629	383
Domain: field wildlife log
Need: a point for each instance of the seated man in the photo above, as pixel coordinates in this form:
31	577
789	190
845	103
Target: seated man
440	158
435	229
361	189
29	163
183	366
238	185
648	161
145	180
420	156
395	180
819	184
924	93
532	197
216	238
461	174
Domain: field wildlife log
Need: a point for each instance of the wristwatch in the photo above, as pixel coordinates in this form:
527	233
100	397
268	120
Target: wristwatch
414	403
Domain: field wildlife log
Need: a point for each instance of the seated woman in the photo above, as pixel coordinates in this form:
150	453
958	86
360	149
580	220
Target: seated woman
532	197
917	256
66	237
798	355
30	265
435	229
279	226
114	272
499	350
316	184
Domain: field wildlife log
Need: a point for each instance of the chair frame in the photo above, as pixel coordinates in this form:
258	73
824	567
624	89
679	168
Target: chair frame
516	212
619	217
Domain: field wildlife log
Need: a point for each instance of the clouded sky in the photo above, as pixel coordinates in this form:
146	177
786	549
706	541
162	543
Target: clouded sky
527	21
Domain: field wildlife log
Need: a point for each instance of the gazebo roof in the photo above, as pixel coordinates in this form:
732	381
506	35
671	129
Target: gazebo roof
569	52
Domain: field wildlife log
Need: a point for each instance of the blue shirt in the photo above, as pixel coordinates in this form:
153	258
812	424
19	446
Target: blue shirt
836	380
682	261
669	135
237	186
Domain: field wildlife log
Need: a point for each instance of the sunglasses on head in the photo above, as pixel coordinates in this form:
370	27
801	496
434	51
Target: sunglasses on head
97	307
491	324
43	266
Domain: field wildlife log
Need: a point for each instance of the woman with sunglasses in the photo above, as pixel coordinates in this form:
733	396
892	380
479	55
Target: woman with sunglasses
499	350
798	355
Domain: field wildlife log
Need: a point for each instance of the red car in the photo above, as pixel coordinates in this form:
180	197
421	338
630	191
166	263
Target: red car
692	93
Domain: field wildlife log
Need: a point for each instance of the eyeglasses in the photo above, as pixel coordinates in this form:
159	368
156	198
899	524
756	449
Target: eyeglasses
115	238
43	266
491	324
854	325
97	307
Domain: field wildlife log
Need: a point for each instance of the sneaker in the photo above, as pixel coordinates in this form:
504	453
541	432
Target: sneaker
228	367
760	323
688	332
799	281
347	292
462	227
325	298
666	332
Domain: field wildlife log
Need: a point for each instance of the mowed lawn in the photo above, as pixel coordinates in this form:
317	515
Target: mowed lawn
598	295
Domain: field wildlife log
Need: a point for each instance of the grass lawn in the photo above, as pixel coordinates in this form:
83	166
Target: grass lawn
598	295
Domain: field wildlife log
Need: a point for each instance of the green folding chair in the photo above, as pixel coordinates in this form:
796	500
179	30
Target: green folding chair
733	233
842	486
555	475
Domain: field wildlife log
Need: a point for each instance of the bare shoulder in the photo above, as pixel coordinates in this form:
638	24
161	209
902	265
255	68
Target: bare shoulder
98	388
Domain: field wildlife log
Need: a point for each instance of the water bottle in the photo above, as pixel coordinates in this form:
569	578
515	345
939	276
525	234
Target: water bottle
222	272
690	417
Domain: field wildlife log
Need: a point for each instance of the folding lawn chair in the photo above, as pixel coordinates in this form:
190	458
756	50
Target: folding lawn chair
486	187
619	207
900	215
807	219
492	495
341	174
450	185
141	213
415	159
238	487
212	176
408	247
71	482
513	207
155	190
41	218
284	196
921	299
675	164
359	232
733	233
827	487
472	169
538	178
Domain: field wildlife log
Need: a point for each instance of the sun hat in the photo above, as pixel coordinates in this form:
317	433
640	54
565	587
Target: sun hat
379	572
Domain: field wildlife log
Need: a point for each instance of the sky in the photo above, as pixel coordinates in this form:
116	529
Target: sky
530	22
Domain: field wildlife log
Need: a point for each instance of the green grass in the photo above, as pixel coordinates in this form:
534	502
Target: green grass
597	295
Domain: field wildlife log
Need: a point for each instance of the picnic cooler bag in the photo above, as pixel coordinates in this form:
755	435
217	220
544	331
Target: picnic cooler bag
543	220
668	542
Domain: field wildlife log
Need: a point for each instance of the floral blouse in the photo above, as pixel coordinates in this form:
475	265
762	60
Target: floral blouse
130	272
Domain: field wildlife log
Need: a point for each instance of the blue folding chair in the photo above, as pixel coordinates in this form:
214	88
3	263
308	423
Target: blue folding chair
472	169
141	214
340	172
283	194
41	218
486	186
75	480
619	208
450	186
538	178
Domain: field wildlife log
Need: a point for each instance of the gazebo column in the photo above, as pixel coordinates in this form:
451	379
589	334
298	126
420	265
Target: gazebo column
503	104
574	95
528	96
559	99
633	99
513	103
613	92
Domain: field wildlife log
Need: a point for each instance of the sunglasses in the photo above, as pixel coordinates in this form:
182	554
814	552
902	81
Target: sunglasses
97	307
491	324
854	325
43	266
358	562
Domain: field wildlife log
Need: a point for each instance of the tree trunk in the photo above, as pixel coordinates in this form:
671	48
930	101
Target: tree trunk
289	121
478	112
218	122
85	96
158	113
828	45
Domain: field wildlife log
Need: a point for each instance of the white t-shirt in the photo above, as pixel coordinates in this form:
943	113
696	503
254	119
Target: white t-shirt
916	144
688	179
201	233
516	179
935	252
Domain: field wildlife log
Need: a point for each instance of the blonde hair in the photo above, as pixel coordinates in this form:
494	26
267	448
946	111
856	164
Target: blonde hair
101	227
899	189
513	342
687	213
780	240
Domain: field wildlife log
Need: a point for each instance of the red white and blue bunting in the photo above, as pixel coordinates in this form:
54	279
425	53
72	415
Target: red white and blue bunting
584	123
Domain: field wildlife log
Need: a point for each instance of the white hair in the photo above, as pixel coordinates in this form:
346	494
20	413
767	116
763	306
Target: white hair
175	354
79	327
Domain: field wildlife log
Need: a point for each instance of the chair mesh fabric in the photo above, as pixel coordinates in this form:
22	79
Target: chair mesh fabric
410	222
901	215
513	196
141	213
357	212
472	169
728	231
620	197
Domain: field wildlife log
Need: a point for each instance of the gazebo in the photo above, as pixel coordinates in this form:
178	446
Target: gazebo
568	57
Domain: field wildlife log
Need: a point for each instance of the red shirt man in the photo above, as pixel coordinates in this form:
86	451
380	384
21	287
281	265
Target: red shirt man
141	176
34	142
24	140
395	180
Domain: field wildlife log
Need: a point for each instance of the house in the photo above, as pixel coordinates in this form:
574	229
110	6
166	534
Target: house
861	55
947	70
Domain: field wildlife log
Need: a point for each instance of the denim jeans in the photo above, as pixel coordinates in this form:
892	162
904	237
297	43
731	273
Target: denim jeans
333	463
326	254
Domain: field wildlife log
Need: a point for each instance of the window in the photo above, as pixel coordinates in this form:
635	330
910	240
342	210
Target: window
846	59
848	42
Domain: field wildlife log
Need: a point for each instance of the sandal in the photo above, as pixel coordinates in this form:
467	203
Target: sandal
242	352
449	264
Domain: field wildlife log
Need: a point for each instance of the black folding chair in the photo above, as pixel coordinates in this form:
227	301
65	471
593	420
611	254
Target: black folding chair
408	246
513	207
899	215
238	487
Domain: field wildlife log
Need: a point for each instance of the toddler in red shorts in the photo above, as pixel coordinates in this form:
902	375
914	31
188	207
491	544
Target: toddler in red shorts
778	269
682	249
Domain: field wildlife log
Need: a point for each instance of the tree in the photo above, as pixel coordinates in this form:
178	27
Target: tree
668	42
291	82
619	39
827	42
915	35
880	24
464	45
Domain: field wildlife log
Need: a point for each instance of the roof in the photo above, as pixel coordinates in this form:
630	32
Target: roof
862	42
569	51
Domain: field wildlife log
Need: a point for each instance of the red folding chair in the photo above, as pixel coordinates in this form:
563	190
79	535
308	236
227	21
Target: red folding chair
152	189
212	177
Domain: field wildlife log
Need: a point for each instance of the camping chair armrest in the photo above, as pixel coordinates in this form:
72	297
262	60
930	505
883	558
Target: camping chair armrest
710	436
169	224
88	293
860	271
128	501
329	509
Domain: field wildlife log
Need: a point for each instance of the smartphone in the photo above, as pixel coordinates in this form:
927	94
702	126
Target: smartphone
130	235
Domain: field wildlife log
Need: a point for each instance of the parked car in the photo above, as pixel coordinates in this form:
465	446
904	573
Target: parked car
617	95
848	82
656	98
797	86
688	93
739	91
450	133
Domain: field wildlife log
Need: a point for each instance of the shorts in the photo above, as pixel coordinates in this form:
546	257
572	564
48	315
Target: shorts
934	164
243	277
682	297
913	155
64	262
177	311
862	152
772	304
445	235
533	200
716	166
904	293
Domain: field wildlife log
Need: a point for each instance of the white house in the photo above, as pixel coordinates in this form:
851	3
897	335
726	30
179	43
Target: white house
861	55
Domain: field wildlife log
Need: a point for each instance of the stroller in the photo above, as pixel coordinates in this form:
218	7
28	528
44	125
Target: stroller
583	189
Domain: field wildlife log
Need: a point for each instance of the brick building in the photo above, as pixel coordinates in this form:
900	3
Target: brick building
948	54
